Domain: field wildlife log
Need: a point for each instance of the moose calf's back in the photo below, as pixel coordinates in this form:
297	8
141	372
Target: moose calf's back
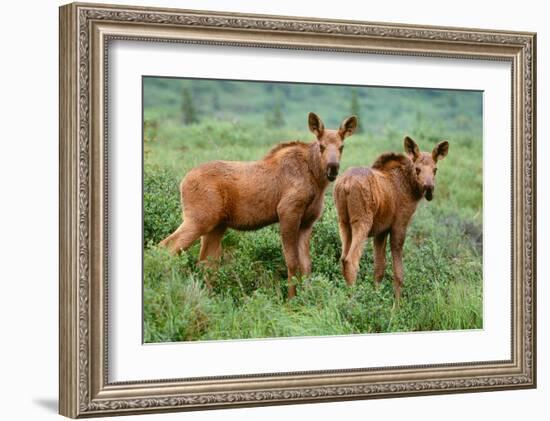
368	195
220	191
245	195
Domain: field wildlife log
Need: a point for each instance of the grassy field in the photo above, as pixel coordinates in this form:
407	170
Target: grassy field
239	121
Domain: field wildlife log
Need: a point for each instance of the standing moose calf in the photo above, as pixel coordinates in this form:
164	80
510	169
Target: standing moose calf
286	186
381	200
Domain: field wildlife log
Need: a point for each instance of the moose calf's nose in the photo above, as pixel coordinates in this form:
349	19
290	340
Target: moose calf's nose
333	166
332	170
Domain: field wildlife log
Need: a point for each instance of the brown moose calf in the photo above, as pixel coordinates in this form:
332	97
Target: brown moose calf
381	200
286	186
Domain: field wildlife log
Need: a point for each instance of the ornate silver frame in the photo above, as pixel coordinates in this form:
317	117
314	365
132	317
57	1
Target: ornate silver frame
85	30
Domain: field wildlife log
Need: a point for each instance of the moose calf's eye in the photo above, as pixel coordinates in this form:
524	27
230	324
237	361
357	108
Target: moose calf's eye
322	148
417	171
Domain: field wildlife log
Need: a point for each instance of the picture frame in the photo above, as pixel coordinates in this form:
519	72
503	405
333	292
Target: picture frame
86	31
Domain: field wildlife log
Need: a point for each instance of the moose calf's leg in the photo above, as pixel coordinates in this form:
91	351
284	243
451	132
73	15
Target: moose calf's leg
379	258
289	221
304	250
211	245
359	232
292	259
187	233
396	243
211	249
345	237
166	242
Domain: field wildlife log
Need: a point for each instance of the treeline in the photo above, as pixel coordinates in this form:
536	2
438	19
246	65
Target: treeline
286	104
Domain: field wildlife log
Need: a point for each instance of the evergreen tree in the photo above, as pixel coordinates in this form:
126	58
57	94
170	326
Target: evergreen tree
355	108
188	111
216	101
276	117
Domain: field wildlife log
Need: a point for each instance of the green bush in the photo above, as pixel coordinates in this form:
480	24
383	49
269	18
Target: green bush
161	204
176	303
442	288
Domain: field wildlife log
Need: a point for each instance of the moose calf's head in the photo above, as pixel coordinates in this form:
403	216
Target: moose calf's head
425	164
331	142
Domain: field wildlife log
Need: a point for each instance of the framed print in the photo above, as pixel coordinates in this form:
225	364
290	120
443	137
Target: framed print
261	210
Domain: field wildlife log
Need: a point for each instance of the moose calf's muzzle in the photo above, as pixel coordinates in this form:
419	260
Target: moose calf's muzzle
332	170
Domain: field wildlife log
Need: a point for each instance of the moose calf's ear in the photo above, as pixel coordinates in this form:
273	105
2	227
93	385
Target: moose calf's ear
316	125
440	151
348	126
411	148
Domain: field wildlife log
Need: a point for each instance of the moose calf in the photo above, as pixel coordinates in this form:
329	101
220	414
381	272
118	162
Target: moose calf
286	186
381	200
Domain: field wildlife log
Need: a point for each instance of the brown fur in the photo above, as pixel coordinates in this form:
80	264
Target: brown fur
381	200
286	186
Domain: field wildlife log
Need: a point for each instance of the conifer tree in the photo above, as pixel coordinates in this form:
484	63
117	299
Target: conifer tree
276	117
188	111
355	108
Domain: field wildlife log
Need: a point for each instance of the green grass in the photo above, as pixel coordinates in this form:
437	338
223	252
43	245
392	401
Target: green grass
248	300
442	255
